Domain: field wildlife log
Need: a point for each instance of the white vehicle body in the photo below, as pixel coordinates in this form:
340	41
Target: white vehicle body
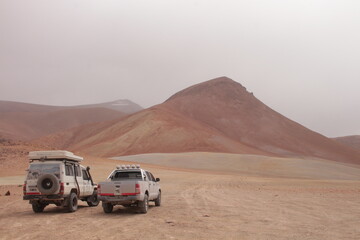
129	186
56	177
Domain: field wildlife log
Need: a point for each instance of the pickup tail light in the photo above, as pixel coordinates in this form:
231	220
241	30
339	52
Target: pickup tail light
61	191
137	189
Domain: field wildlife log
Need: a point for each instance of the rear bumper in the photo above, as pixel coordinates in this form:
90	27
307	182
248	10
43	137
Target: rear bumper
44	197
121	199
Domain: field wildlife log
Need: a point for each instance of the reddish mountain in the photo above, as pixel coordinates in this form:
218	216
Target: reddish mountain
226	106
149	131
28	121
351	141
218	116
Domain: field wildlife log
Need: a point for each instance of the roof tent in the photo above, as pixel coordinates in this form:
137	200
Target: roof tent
54	155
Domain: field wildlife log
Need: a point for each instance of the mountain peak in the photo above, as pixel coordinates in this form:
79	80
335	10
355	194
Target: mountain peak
221	87
221	79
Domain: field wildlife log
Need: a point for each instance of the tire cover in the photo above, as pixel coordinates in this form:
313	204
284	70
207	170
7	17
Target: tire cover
53	182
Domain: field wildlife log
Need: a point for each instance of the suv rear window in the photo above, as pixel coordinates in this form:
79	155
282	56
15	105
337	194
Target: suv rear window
35	170
126	175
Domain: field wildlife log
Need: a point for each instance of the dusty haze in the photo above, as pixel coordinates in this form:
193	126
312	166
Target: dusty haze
300	57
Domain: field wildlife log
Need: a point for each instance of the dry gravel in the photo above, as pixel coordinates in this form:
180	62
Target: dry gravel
200	205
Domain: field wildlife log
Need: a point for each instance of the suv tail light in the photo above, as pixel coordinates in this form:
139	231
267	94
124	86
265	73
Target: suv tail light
61	191
24	188
137	189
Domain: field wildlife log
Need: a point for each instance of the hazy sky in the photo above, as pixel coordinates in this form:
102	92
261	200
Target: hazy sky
302	58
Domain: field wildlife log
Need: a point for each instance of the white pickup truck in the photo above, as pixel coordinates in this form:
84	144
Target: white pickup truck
129	186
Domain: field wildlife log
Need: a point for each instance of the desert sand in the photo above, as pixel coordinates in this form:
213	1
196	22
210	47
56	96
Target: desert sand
205	201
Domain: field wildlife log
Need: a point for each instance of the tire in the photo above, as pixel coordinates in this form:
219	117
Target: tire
38	207
48	184
93	200
144	205
72	202
107	207
158	200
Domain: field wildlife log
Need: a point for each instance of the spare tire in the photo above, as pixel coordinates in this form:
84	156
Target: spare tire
48	184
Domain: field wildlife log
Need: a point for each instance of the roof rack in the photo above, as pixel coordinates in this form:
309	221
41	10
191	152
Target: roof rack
133	166
54	155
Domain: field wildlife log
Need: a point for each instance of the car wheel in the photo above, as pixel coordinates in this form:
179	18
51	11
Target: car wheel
73	202
158	200
93	200
144	205
38	207
107	207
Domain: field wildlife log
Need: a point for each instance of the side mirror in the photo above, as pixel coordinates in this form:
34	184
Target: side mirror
157	180
88	168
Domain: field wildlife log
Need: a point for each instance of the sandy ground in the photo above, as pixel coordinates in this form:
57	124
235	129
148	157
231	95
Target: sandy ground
199	204
252	165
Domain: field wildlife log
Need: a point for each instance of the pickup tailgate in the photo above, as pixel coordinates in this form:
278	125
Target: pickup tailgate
116	188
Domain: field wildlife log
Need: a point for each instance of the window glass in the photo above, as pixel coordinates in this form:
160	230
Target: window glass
69	170
126	175
78	171
85	175
35	170
148	176
152	177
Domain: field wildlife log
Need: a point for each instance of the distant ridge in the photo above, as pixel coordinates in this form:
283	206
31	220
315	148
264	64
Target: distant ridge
351	141
121	105
24	121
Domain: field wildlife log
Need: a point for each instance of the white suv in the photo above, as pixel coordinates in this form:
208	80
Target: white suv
56	177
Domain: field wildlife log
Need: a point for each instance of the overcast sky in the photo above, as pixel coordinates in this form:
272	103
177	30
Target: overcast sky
302	58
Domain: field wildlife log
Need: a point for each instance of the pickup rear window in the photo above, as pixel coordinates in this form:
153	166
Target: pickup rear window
126	175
